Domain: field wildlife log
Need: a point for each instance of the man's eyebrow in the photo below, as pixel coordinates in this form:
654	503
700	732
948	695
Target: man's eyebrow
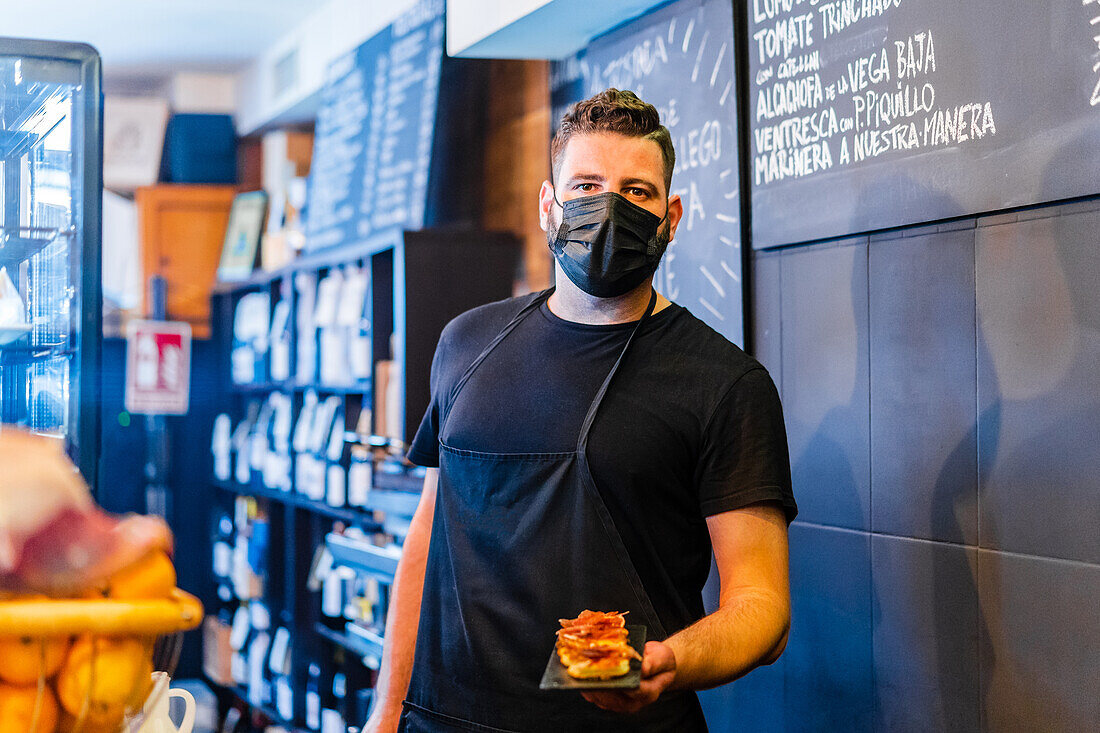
587	177
641	182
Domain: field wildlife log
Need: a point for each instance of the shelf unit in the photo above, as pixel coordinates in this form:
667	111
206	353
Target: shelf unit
51	178
419	281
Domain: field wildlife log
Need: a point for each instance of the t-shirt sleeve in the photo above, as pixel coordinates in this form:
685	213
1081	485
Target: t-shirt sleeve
424	450
745	458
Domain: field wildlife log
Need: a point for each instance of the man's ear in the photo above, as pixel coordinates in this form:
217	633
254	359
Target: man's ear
675	213
546	200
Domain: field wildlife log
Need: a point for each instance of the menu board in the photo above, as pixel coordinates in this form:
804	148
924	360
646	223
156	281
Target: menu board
870	114
373	140
681	60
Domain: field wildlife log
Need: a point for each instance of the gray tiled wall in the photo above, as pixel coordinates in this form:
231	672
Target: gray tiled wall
823	311
941	387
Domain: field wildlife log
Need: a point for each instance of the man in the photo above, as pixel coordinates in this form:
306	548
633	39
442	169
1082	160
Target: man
593	444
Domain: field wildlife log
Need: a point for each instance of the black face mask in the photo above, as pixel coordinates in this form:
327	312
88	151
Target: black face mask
607	245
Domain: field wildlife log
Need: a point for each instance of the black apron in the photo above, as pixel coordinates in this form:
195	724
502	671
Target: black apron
518	541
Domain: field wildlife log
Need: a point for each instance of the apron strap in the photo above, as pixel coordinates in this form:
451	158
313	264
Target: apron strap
621	553
526	311
582	439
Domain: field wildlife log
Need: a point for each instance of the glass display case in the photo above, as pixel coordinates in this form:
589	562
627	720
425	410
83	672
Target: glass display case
51	183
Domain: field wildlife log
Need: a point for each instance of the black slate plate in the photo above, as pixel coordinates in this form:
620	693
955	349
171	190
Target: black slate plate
557	678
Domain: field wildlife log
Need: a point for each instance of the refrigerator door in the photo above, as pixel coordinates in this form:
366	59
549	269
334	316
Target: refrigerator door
50	188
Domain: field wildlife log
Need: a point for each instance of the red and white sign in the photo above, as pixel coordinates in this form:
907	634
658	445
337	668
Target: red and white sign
158	367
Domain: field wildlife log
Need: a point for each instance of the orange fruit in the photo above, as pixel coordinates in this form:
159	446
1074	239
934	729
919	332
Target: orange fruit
68	724
24	659
23	709
153	576
103	676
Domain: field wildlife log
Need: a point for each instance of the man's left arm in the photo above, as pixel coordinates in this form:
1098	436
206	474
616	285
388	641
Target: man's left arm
748	629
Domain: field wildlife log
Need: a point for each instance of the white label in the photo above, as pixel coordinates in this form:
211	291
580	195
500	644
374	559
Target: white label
334	355
353	299
359	354
238	668
279	661
359	483
222	465
261	617
241	626
223	559
256	654
331	722
328	299
284	698
280	360
332	595
335	493
313	711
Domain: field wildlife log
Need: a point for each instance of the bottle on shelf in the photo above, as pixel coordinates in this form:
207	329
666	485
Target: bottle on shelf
360	476
279	666
360	460
251	321
239	638
333	360
241	443
276	469
313	697
221	447
305	363
222	560
280	341
332	707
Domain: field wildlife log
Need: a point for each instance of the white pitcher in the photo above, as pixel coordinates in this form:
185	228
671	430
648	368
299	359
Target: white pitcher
155	718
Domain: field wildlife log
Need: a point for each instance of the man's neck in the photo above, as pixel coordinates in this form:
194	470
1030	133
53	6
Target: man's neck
570	303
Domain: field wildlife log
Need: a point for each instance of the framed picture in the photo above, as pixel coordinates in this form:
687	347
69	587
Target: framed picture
242	236
133	139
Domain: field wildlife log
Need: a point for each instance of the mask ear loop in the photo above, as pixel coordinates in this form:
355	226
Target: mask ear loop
561	225
651	246
559	203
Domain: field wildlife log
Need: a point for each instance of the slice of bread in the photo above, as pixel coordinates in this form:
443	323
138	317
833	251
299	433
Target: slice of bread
599	669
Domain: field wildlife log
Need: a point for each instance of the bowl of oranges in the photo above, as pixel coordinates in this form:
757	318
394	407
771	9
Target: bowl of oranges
84	665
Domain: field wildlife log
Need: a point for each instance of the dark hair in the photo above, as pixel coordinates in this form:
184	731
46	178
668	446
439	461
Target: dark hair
619	112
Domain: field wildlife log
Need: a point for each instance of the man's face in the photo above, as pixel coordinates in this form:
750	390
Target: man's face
630	166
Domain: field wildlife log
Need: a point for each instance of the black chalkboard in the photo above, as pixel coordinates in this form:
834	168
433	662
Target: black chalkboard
870	114
374	134
681	59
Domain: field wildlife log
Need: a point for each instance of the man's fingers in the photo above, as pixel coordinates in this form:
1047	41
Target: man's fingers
617	702
658	670
656	659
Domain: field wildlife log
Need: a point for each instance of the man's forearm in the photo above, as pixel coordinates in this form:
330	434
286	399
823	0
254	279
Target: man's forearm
404	610
747	630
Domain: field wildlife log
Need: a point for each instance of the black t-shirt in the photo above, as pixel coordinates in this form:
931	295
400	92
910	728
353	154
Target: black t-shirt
690	427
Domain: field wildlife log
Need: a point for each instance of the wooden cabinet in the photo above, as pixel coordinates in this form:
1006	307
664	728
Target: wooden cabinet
182	229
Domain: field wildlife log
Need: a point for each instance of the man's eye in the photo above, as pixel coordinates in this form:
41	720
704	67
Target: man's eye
585	187
638	192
